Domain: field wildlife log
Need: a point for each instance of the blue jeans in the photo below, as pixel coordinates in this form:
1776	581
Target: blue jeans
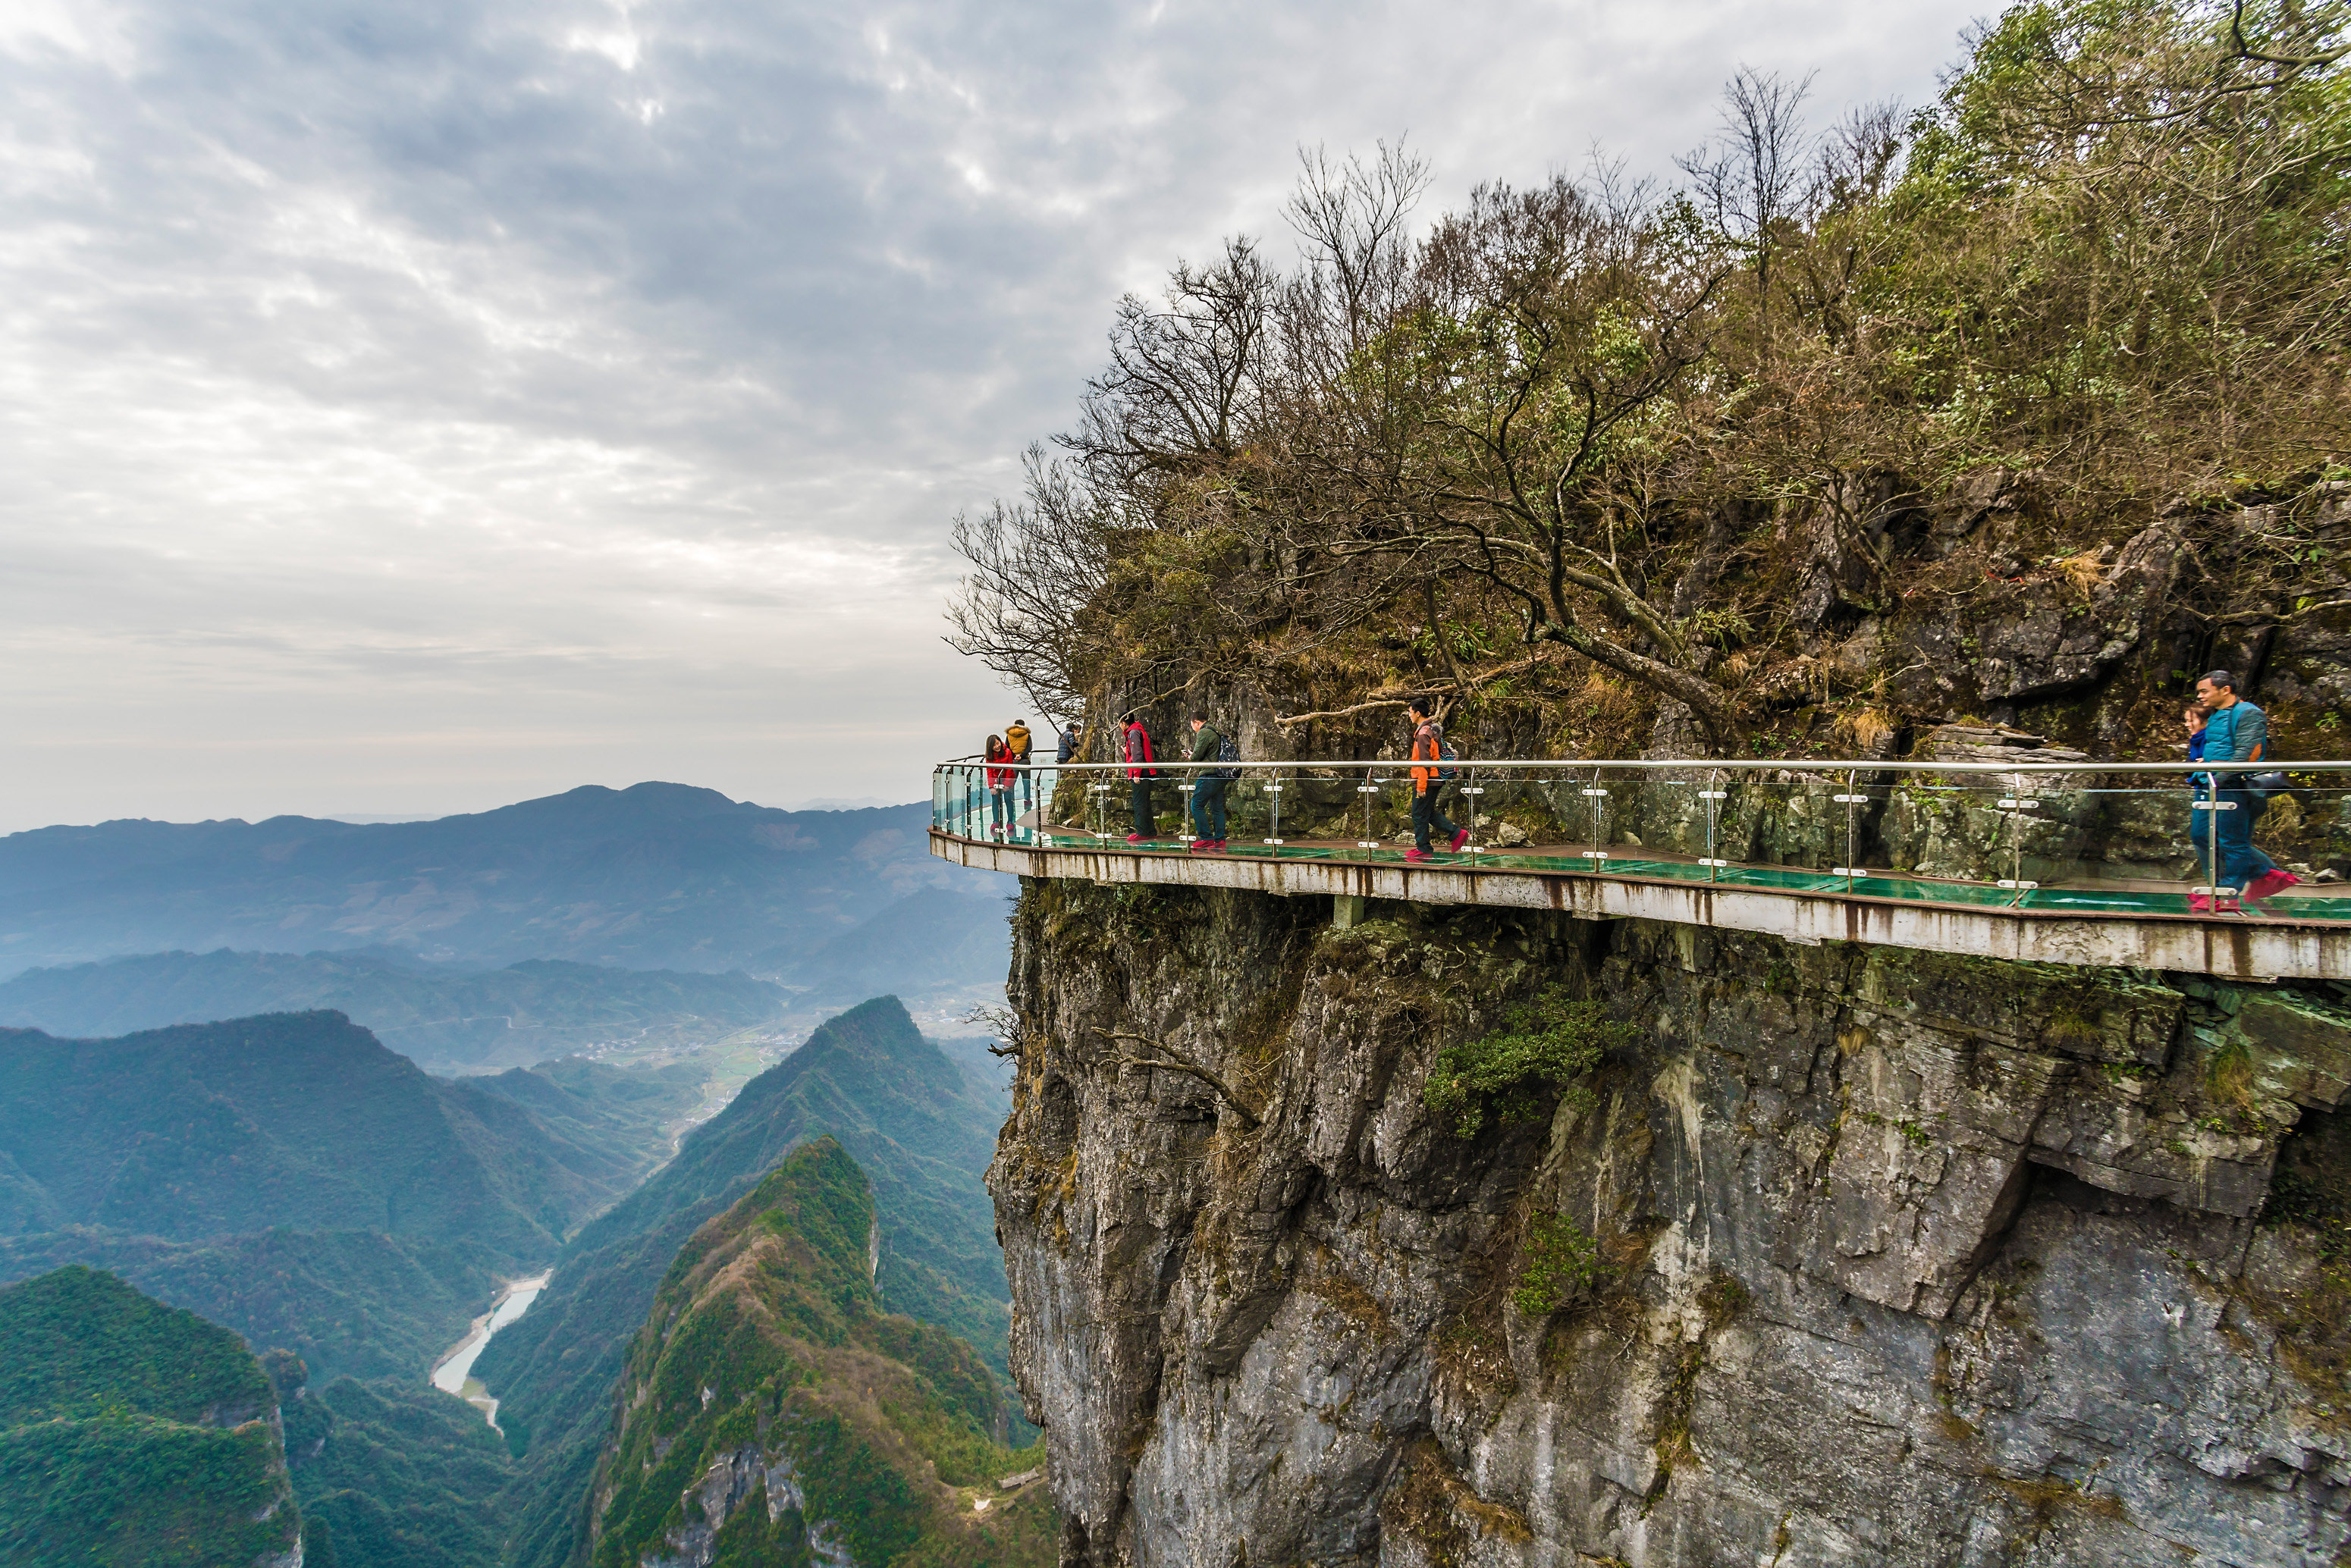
2242	866
1207	800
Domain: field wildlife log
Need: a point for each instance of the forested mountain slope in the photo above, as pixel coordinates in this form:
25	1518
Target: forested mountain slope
134	1436
909	1117
773	1412
653	876
299	1120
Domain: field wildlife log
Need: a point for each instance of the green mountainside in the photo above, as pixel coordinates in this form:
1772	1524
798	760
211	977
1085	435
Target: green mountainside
922	1130
299	1120
523	1013
347	1301
134	1434
392	1474
652	876
772	1413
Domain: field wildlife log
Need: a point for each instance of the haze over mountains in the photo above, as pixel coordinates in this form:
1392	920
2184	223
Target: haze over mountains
653	876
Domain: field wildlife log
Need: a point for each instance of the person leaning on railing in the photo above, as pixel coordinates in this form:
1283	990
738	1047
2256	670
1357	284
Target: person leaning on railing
1427	746
2236	731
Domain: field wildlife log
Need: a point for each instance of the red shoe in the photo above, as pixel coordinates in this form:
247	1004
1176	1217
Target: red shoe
2227	907
1214	846
2269	884
1135	838
1459	839
2200	903
1416	854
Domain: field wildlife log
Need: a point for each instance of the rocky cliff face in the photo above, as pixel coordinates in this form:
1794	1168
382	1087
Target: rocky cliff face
1853	1256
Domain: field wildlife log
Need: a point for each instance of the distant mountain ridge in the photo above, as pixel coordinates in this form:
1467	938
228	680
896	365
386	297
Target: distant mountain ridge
653	876
292	1119
525	1013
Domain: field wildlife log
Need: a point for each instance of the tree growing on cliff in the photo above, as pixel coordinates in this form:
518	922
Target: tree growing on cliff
1598	432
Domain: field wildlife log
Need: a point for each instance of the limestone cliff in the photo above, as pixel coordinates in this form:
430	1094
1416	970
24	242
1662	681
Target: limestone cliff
1839	1255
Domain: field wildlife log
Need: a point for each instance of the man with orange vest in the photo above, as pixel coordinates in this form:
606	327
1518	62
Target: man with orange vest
1427	747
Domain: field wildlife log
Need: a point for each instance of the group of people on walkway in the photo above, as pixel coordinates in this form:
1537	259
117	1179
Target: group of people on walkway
2221	725
1432	769
2225	727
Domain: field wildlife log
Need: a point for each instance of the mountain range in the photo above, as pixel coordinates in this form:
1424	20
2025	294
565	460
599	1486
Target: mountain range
443	1017
301	1119
653	876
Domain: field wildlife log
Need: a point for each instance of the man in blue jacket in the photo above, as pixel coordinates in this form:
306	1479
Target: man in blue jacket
2237	731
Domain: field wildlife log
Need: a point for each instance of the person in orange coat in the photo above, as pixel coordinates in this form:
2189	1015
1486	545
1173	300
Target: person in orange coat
1428	747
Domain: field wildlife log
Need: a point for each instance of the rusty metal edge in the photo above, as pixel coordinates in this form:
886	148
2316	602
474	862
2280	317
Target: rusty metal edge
2247	950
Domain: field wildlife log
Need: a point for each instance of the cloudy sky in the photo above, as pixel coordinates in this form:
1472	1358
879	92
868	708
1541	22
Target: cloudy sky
412	409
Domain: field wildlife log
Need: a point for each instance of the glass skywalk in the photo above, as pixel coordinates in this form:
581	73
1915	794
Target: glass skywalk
2072	838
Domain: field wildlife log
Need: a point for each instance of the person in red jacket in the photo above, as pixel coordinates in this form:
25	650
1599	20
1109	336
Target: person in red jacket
1135	750
1000	785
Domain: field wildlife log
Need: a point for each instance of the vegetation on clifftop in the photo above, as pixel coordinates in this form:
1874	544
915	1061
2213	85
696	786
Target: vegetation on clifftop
1761	460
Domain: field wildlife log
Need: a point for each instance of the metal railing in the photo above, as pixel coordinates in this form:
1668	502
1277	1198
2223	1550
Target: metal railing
2115	837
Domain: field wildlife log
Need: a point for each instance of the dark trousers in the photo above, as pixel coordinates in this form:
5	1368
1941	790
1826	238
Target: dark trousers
2242	866
1207	804
1001	812
1144	822
1428	814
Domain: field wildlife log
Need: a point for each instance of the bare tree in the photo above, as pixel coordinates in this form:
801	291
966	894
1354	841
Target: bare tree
1036	570
1750	181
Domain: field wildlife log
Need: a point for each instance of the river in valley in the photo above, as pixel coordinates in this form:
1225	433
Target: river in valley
454	1373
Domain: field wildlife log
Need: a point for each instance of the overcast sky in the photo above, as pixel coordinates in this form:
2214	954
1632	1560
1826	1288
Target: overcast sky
412	409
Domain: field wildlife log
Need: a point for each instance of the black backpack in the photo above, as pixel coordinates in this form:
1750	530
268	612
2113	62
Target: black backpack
1227	750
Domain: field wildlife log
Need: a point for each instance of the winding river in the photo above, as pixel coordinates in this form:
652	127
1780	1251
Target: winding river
454	1373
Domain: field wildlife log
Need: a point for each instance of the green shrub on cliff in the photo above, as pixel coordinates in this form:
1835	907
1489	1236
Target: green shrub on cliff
1542	1052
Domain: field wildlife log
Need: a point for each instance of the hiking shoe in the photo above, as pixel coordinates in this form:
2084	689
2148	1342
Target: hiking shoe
1459	839
1416	854
2269	884
1135	838
2200	903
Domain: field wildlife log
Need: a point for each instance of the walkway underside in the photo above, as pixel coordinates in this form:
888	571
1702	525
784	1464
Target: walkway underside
2114	927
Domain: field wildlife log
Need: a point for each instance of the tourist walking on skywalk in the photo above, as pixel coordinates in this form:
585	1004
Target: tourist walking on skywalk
1208	787
1427	783
1135	750
2236	731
